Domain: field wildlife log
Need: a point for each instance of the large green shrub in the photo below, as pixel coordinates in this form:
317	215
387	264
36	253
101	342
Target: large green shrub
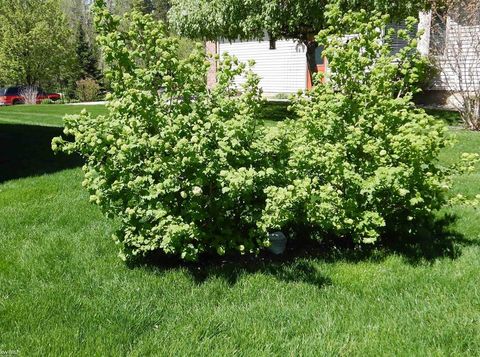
363	161
177	163
87	90
187	169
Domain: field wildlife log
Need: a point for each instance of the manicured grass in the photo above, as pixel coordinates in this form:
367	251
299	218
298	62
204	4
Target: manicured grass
63	291
448	116
46	115
52	114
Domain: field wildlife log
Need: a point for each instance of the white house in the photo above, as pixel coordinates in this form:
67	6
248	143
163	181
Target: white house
453	42
282	70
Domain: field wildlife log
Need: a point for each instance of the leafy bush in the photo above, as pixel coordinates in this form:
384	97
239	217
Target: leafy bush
362	159
180	165
189	170
47	101
29	94
87	90
282	96
62	100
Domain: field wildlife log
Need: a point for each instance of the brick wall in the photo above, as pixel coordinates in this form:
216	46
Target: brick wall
211	47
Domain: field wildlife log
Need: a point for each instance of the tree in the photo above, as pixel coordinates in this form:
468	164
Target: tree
87	60
158	8
36	44
291	19
76	11
79	12
144	6
456	52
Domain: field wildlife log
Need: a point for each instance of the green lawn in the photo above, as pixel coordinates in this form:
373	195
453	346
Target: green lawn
52	114
64	292
45	115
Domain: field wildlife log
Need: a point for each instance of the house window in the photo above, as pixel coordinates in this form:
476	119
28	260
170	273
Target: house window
319	59
397	43
438	37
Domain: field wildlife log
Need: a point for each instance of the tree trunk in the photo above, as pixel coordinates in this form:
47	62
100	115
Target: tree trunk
312	46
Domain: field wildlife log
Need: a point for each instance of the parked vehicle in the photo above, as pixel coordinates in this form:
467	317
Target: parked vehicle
13	96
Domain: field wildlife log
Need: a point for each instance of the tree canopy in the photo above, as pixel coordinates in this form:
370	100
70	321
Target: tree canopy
36	44
298	19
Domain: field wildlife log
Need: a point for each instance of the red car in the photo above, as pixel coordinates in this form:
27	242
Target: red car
12	96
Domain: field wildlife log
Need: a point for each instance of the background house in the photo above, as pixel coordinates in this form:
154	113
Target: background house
282	70
452	41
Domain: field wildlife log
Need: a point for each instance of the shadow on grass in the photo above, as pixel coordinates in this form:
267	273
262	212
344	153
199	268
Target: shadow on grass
298	263
275	111
287	268
449	117
437	239
25	150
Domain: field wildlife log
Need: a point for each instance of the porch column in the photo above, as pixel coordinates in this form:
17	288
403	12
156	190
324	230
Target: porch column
425	24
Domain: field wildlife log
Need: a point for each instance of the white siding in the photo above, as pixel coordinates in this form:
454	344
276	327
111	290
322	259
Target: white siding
461	62
282	70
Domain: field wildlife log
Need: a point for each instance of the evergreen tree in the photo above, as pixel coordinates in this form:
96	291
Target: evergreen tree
87	60
161	8
145	6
